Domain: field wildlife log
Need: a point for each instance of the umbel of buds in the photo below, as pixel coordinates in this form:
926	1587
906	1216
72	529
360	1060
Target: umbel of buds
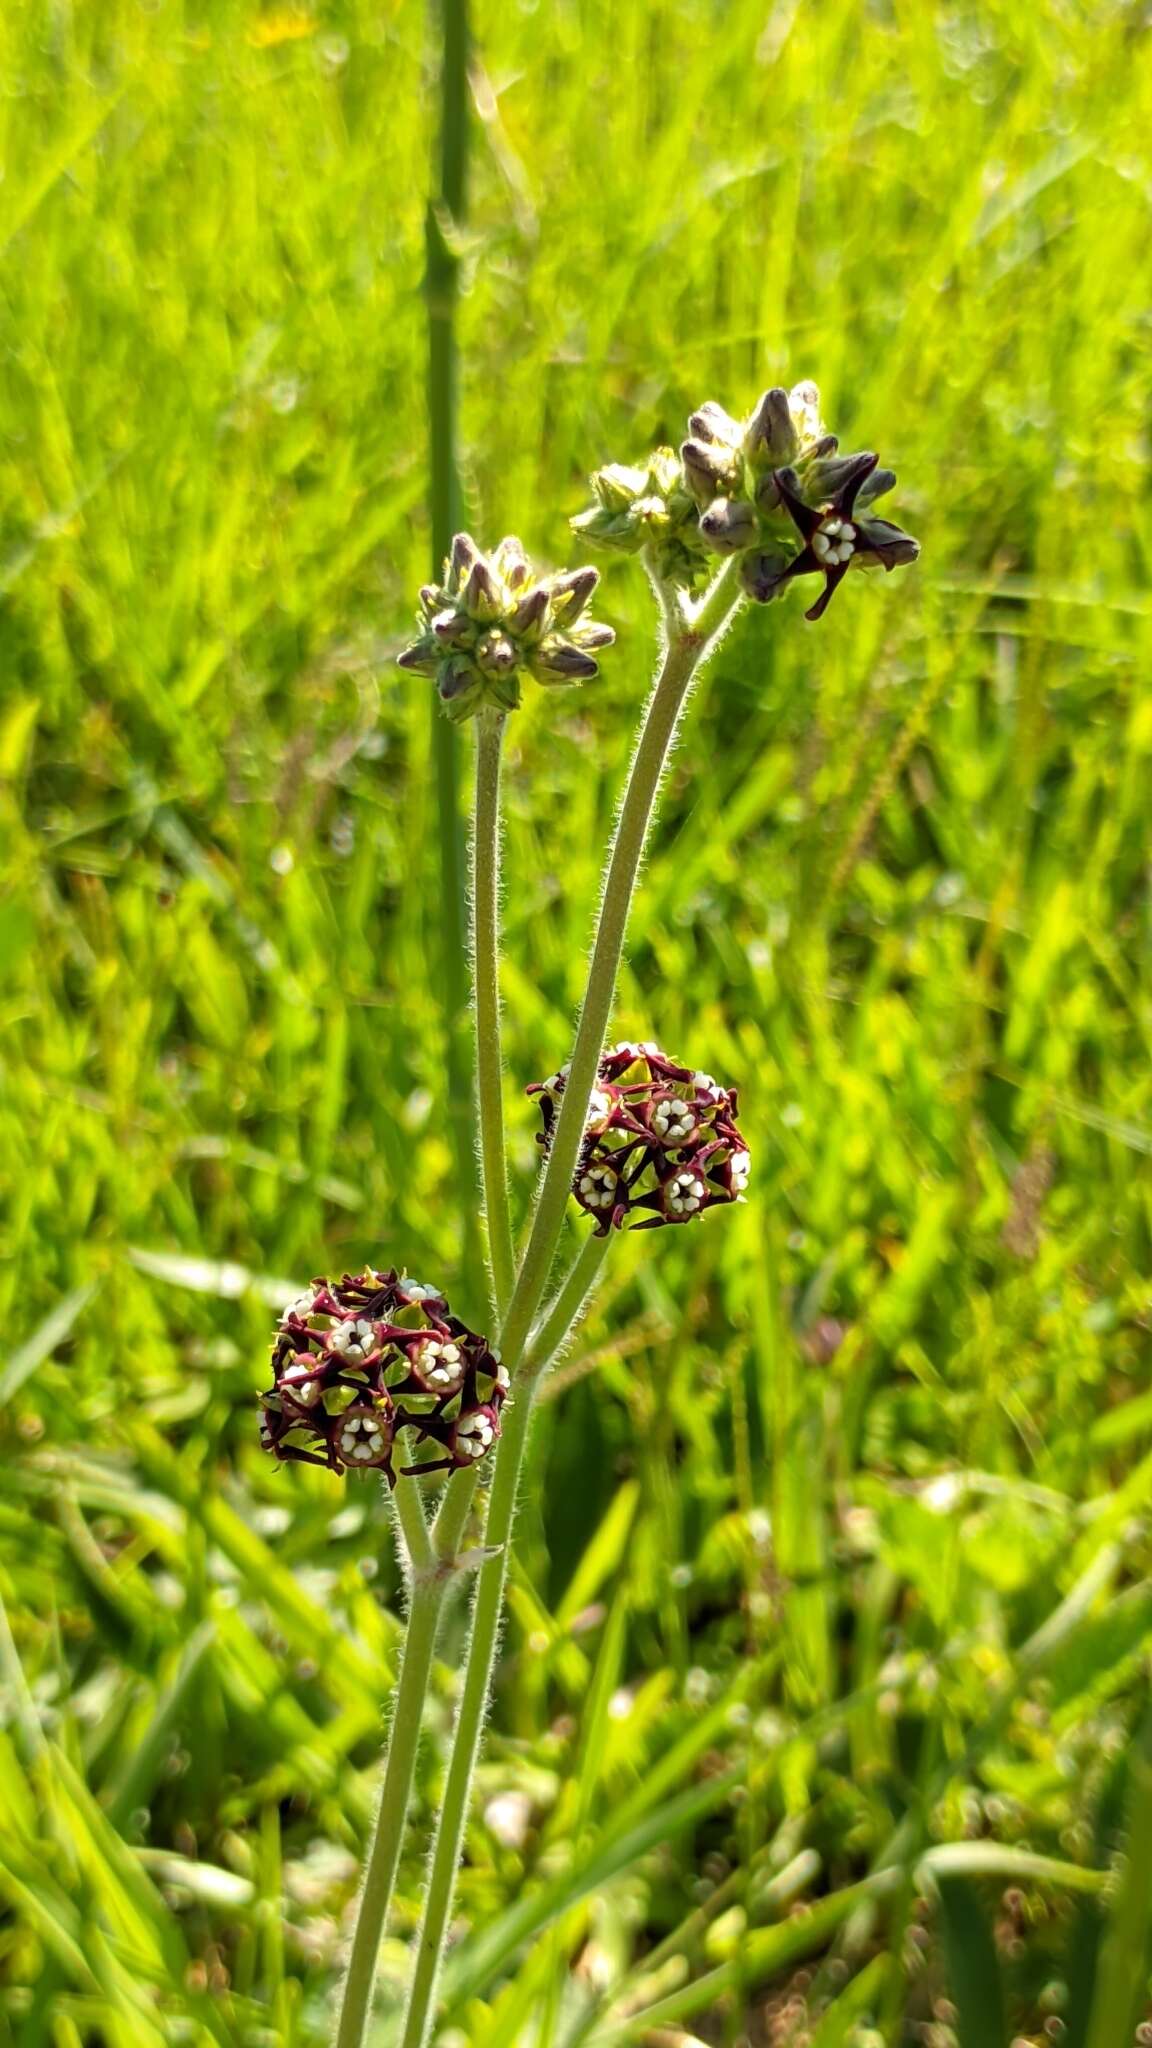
661	1143
493	619
648	508
772	489
357	1361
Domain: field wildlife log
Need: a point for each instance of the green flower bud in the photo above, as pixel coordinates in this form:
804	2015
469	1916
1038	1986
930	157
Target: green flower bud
618	487
570	593
558	661
651	509
709	472
762	573
511	563
729	525
712	423
770	437
750	488
491	619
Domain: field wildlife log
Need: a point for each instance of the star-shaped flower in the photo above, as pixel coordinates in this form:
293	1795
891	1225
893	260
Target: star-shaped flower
835	539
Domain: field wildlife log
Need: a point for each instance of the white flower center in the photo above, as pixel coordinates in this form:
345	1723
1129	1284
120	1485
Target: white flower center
834	541
360	1440
302	1306
598	1187
416	1290
475	1435
442	1364
674	1122
685	1194
739	1169
353	1340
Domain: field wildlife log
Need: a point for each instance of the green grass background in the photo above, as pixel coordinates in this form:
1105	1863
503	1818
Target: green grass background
785	1625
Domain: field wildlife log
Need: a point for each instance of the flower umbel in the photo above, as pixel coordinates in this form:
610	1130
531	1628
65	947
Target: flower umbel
646	508
492	619
661	1142
357	1360
746	488
760	481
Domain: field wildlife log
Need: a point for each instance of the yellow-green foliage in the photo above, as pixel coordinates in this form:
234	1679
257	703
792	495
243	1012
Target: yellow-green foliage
791	1601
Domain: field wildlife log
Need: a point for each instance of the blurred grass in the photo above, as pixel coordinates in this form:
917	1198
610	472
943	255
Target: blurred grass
837	1551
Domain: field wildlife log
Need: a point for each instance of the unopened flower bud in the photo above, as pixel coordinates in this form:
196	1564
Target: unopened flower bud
451	627
419	660
460	687
711	423
709	471
592	633
511	563
893	548
762	573
825	478
489	621
770	437
480	595
617	486
571	593
530	611
729	525
496	654
560	662
464	555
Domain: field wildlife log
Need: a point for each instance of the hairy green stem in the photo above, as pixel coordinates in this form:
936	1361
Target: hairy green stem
486	996
561	1313
431	1573
486	1612
682	658
684	652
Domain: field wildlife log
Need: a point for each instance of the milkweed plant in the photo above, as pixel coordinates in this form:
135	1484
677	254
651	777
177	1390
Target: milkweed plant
373	1371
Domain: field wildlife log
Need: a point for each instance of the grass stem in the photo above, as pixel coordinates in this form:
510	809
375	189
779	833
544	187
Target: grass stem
445	213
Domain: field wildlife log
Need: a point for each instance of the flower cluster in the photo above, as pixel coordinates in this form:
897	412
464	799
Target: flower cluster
358	1360
771	489
650	508
492	619
661	1143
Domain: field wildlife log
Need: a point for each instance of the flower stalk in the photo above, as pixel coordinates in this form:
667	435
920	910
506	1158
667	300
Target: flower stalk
430	1575
486	996
684	654
685	651
375	1366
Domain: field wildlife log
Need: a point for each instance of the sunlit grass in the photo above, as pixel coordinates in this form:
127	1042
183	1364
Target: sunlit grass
794	1605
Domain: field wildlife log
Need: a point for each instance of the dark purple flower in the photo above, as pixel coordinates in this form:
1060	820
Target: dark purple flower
358	1360
661	1143
835	540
